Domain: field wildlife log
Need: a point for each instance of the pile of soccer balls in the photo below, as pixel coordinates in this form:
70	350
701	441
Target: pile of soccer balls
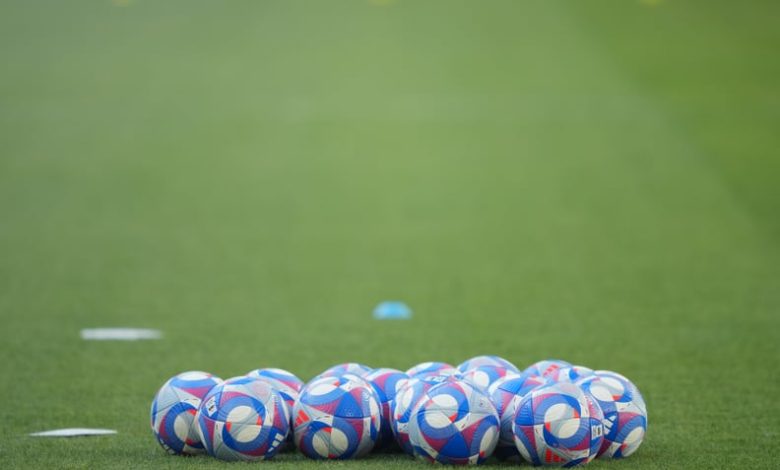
551	413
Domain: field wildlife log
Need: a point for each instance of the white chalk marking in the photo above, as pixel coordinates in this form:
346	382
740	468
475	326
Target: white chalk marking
119	334
73	432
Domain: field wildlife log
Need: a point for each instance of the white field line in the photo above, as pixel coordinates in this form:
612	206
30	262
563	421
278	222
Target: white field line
119	334
73	432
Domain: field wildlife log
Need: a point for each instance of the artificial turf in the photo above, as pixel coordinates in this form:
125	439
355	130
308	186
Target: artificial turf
595	181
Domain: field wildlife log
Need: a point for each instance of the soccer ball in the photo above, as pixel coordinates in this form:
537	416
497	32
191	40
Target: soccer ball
480	361
558	424
505	394
569	374
386	383
409	394
173	411
483	377
347	368
286	383
546	367
454	423
625	413
337	418
243	419
425	369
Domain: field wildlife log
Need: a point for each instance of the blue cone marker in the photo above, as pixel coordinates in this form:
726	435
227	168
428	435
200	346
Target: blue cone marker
392	310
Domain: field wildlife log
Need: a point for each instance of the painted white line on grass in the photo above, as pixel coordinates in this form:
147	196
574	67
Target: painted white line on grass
73	432
119	334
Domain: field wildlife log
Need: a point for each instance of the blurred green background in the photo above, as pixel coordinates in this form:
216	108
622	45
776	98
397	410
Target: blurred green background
595	181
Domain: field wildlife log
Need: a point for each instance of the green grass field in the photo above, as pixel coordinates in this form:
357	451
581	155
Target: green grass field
590	180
